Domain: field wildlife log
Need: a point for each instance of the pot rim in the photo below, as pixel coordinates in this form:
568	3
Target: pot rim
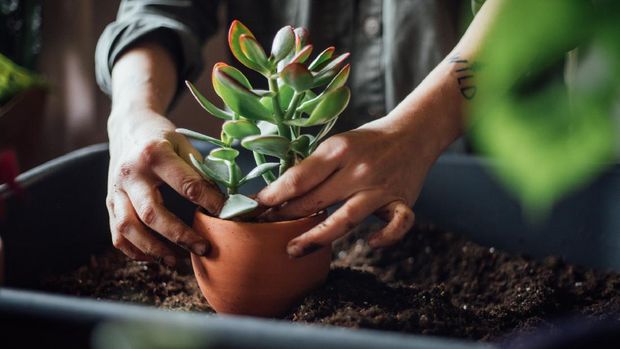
200	211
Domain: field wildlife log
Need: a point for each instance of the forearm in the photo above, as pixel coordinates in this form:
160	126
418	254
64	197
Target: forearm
143	78
439	104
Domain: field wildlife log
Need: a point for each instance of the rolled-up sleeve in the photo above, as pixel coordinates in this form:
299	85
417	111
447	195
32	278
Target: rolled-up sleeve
181	26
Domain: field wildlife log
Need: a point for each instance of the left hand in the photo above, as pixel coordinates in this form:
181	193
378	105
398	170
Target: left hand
374	169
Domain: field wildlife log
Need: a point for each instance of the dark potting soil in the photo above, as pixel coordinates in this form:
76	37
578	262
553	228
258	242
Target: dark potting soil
431	283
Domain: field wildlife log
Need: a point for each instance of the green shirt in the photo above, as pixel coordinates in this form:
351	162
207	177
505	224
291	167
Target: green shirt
394	44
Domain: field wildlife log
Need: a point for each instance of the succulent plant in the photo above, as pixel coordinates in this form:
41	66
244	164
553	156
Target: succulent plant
271	123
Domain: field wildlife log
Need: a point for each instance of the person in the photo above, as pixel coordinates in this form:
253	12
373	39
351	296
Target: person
411	82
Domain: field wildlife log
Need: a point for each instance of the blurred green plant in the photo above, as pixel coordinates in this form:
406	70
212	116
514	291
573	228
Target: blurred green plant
547	139
148	335
270	122
15	79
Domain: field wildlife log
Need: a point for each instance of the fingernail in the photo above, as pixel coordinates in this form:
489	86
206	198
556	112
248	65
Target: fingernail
297	251
200	248
170	261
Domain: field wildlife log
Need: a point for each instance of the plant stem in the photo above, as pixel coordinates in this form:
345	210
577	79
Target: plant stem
234	180
275	100
291	112
292	106
260	159
283	130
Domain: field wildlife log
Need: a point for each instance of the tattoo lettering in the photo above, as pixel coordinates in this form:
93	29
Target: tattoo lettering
464	76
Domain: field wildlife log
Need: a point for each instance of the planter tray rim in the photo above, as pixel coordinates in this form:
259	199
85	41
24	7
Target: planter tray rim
237	330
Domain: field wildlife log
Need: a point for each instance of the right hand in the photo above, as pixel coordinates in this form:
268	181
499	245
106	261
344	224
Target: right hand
146	152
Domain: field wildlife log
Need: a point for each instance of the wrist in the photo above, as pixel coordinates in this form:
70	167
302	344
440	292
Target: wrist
143	79
431	117
127	116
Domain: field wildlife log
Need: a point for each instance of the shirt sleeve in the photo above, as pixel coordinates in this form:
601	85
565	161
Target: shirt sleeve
180	26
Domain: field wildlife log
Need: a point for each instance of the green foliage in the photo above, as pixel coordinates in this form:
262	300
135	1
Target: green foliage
269	123
237	204
15	79
548	140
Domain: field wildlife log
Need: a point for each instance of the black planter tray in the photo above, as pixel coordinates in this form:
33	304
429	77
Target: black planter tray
62	221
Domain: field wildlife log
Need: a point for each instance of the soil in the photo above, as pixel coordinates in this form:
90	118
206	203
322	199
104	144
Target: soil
433	282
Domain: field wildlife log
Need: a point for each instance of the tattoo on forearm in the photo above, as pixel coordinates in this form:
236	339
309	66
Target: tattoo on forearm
464	71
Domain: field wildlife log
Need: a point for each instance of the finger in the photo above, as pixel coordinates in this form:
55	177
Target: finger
119	241
300	178
177	173
352	213
324	195
127	224
400	219
147	202
130	250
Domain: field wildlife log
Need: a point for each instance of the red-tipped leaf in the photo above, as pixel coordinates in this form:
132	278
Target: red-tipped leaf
234	33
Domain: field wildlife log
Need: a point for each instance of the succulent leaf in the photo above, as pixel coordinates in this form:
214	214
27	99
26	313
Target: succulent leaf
198	166
283	43
302	36
271	145
207	105
234	33
259	171
226	138
340	79
330	106
297	76
335	63
233	73
200	137
309	105
322	133
215	170
266	102
301	145
237	204
322	58
238	97
255	53
302	55
239	129
229	154
309	95
267	128
263	93
323	78
286	94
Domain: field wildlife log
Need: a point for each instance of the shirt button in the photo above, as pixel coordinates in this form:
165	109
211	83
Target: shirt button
372	26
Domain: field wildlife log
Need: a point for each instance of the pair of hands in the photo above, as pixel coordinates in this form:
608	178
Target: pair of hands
373	169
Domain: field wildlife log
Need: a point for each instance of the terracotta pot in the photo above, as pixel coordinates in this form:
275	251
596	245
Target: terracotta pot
248	271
